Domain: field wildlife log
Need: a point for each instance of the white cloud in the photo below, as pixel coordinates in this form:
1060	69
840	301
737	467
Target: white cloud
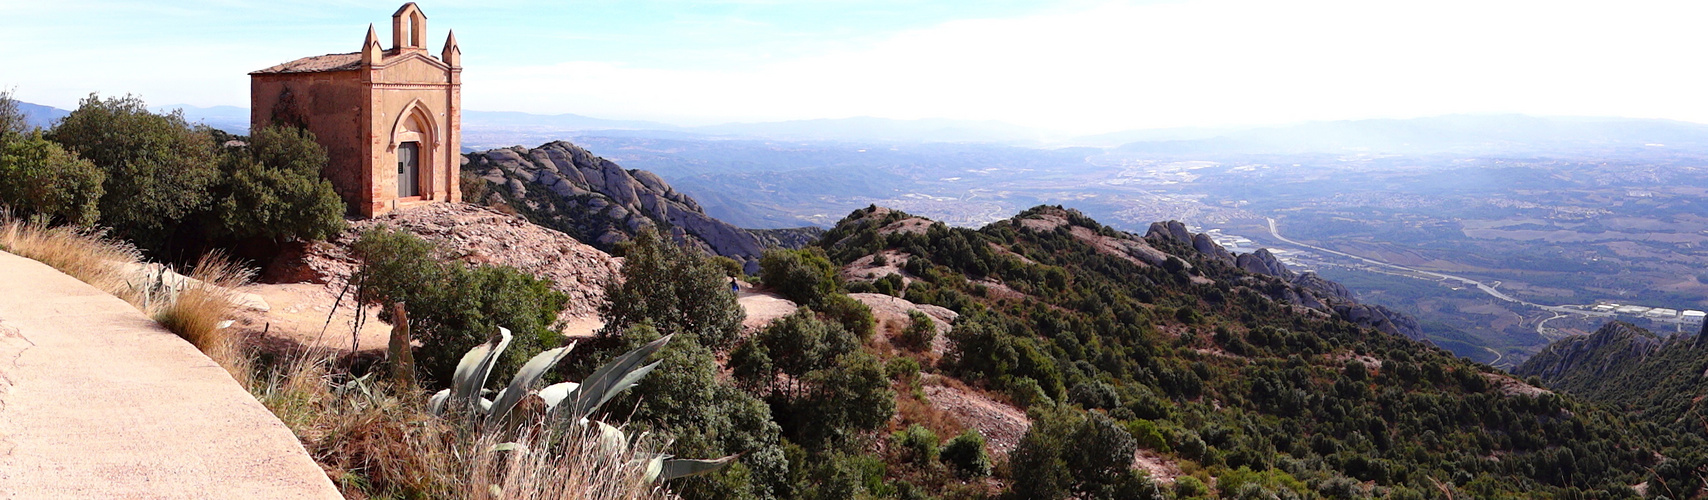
1200	63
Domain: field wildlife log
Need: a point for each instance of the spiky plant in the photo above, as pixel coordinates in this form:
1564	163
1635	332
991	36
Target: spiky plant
568	404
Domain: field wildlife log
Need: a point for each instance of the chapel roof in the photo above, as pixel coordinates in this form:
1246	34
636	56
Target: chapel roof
318	64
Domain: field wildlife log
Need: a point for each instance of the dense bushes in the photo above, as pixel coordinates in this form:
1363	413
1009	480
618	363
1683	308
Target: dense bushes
817	376
967	455
1079	455
165	185
159	169
677	290
670	290
804	276
272	189
38	178
453	306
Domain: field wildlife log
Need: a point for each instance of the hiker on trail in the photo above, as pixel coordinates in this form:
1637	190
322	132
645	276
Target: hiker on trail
733	285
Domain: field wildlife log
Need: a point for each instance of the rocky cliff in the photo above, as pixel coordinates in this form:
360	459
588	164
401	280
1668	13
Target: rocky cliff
1304	289
1615	346
565	187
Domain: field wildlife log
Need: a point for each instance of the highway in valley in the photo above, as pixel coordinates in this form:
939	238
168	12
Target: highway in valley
1485	288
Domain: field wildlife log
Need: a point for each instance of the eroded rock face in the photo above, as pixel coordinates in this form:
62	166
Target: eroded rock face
565	187
1264	263
479	235
1303	289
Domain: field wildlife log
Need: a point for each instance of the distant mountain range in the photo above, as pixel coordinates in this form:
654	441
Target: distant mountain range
1451	134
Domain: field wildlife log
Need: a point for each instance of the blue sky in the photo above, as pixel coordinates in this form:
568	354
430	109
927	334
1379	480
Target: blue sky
1070	66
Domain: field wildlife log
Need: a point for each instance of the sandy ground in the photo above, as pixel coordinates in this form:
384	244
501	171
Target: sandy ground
99	401
297	313
762	307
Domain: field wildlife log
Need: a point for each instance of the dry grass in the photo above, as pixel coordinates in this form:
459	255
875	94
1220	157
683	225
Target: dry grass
199	306
85	254
192	308
375	439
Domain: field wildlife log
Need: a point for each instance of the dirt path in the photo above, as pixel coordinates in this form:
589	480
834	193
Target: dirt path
762	307
298	312
98	401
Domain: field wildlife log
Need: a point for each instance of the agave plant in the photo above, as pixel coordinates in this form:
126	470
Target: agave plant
568	404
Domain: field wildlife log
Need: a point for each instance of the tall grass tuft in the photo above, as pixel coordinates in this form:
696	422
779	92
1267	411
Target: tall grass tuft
377	439
199	308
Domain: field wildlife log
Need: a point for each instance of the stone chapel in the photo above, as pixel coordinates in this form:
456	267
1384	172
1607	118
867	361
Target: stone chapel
390	119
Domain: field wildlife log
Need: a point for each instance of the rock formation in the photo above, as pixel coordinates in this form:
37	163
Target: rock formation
1615	343
1304	289
481	236
565	187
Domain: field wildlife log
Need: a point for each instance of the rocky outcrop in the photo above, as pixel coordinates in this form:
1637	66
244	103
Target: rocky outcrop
1614	344
477	235
565	187
1304	289
1204	245
1264	263
1171	230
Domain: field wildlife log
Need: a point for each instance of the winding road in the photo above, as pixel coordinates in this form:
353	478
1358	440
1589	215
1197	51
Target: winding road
1485	288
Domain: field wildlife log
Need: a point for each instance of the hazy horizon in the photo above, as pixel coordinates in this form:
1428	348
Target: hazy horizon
1070	68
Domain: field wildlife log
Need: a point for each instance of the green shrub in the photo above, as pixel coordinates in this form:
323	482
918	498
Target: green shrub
158	168
678	290
1189	487
1094	395
1027	393
272	189
901	368
852	314
966	453
667	289
13	126
1149	436
38	178
1071	453
916	443
804	276
453	307
920	331
890	284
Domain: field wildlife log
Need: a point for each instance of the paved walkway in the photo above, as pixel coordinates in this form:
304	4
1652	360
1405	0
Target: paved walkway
98	401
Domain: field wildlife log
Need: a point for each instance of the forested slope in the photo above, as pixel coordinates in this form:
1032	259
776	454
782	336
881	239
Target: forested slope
1112	340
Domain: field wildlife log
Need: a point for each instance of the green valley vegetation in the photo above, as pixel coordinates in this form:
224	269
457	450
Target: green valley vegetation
1251	397
1657	380
174	189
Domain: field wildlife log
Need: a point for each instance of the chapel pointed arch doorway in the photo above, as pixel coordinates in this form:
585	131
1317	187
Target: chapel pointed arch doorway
415	152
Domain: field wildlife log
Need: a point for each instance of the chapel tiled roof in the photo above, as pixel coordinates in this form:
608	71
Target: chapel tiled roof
318	64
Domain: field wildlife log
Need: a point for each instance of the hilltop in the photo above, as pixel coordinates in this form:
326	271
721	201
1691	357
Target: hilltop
564	187
1256	377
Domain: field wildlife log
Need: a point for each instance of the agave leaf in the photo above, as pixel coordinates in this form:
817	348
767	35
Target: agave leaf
611	439
674	468
554	394
606	382
651	463
473	370
525	380
436	404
